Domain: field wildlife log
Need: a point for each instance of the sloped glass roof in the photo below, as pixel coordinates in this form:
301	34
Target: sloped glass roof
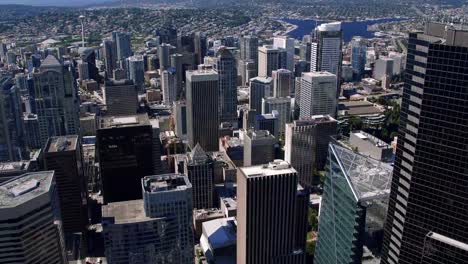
368	178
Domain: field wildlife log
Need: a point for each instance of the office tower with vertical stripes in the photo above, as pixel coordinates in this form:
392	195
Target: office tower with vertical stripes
30	218
202	109
271	215
427	215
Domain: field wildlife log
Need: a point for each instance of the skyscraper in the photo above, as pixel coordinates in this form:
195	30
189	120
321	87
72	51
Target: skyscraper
136	71
123	45
54	83
259	88
121	97
358	57
110	55
383	68
282	105
271	218
427	210
202	109
164	56
306	146
353	208
63	155
282	83
169	85
326	54
88	56
156	229
200	46
11	128
124	148
286	43
198	166
249	48
259	147
318	94
29	213
268	60
176	63
227	80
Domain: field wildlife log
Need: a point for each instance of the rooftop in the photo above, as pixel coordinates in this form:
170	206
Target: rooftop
315	119
125	212
333	26
207	213
368	178
62	143
13	166
123	121
220	232
24	188
165	183
448	34
264	80
273	168
374	140
202	75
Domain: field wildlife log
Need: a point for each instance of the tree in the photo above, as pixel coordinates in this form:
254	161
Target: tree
312	219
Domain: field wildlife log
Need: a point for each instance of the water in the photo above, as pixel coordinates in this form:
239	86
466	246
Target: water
350	29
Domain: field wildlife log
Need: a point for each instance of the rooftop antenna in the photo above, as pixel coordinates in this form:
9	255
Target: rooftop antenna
82	18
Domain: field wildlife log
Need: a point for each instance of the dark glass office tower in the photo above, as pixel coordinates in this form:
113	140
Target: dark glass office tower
428	210
125	155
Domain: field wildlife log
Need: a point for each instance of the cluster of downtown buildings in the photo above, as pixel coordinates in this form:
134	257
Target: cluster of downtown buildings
151	154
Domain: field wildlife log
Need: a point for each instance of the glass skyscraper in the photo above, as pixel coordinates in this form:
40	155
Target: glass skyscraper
358	57
353	208
427	215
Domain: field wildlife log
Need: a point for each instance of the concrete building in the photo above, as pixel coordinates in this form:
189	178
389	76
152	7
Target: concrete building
282	106
31	227
259	88
282	83
63	155
268	60
249	48
271	215
371	146
32	135
203	109
360	188
83	71
204	215
306	146
259	147
198	166
156	229
125	153
318	94
121	97
383	68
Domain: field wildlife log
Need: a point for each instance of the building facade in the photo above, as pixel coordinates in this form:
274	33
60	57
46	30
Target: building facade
121	97
318	94
202	109
271	223
429	193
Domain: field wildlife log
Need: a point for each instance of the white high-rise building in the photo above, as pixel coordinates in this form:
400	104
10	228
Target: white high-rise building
326	53
318	94
282	83
287	44
169	85
31	230
282	105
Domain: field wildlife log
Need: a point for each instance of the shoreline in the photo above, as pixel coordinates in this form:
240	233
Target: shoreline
338	20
